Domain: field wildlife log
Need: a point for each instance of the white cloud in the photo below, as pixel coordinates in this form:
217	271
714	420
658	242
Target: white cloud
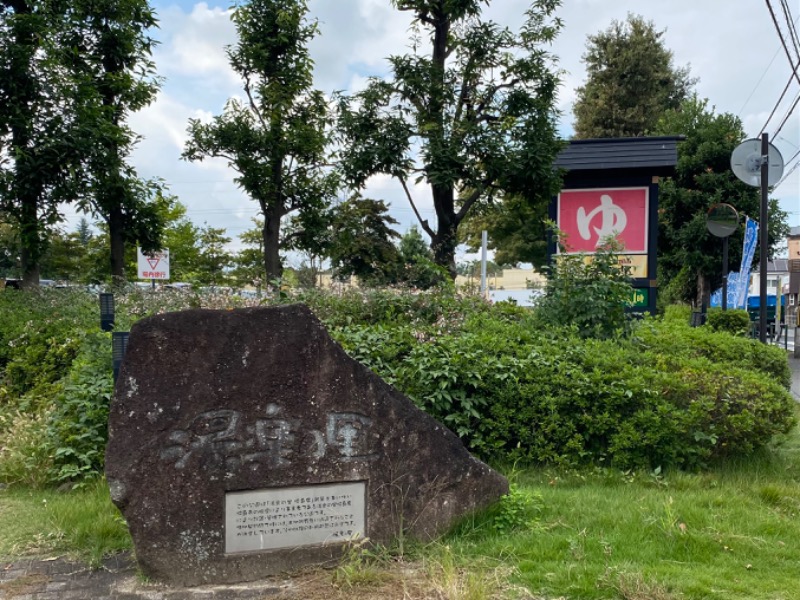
195	43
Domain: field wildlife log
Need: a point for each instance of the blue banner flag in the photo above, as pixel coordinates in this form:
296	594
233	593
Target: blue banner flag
748	252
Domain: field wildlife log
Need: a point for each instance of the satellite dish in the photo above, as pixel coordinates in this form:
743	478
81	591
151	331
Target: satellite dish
746	163
722	220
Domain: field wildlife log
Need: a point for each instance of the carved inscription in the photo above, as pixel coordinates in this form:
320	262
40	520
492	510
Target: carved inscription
290	517
224	439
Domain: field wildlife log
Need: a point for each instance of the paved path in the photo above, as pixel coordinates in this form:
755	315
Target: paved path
60	579
794	365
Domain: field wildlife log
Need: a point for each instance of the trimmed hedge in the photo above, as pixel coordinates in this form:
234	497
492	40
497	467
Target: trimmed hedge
670	397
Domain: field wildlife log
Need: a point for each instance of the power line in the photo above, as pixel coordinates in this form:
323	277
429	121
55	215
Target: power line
787	115
787	15
790	171
795	43
783	42
760	79
777	104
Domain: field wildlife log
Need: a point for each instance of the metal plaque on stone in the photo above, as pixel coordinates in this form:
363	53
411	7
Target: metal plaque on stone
270	519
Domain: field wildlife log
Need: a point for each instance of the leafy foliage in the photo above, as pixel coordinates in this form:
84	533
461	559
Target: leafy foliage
418	269
687	252
511	384
479	108
276	138
516	227
668	396
736	322
361	242
630	82
78	426
39	139
588	293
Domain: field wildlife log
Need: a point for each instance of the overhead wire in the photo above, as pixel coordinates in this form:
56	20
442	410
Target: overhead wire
777	104
794	41
783	42
790	171
786	116
787	15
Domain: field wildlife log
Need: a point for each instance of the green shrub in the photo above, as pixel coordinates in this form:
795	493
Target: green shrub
25	458
510	383
735	322
515	391
676	337
677	312
78	425
591	295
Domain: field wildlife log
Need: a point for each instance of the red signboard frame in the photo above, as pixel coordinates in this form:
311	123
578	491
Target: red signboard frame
587	215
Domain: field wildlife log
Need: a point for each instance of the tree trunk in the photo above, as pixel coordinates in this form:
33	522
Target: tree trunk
271	238
25	188
443	243
30	270
30	236
116	236
703	291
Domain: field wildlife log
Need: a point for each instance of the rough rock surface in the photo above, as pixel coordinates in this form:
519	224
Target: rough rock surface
210	403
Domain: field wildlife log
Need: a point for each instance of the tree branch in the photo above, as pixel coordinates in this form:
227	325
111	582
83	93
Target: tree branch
252	102
491	93
422	222
465	89
471	199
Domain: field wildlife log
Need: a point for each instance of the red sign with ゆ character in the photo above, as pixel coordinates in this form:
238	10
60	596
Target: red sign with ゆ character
589	217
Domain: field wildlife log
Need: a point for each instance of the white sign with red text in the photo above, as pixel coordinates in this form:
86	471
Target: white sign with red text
588	217
154	265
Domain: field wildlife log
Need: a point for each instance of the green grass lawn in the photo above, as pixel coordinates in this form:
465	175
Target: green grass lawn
82	524
729	533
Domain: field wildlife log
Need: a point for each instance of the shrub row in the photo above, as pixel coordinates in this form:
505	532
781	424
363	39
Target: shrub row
511	385
670	396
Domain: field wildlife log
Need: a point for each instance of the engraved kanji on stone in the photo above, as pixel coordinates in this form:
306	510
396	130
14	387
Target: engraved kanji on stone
211	434
348	433
274	438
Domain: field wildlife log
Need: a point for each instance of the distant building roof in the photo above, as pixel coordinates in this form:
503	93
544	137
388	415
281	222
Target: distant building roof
794	231
779	265
651	155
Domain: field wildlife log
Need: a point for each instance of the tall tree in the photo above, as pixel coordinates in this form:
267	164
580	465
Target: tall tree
115	76
65	257
214	259
631	81
84	231
276	139
39	141
361	242
249	261
418	268
690	258
473	116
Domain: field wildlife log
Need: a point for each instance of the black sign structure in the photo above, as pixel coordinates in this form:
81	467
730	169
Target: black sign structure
621	164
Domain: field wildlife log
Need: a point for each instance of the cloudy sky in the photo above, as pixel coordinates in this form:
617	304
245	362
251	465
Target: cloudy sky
731	46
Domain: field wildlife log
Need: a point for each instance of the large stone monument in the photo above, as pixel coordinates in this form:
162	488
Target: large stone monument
246	443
